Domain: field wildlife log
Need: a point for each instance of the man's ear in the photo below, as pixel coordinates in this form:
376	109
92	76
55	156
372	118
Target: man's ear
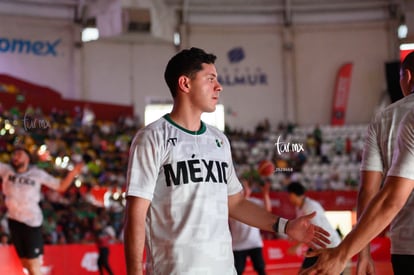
409	78
409	75
405	73
184	83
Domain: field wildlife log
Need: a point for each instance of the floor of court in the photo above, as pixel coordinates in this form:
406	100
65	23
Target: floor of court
382	268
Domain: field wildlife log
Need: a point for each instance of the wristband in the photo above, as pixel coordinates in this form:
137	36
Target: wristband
280	225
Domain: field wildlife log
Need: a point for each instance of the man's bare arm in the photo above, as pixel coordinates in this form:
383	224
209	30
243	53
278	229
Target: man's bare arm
378	214
300	229
369	187
134	234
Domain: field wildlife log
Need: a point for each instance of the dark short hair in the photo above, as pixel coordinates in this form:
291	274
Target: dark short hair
187	62
408	62
296	188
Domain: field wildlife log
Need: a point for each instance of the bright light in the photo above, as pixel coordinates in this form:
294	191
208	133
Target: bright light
402	31
155	111
78	183
407	46
341	220
42	149
107	198
177	39
62	162
89	34
116	195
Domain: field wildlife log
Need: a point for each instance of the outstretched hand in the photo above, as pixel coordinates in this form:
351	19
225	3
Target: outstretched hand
329	262
365	265
77	168
301	229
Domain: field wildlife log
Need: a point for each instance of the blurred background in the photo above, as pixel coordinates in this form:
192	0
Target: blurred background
78	78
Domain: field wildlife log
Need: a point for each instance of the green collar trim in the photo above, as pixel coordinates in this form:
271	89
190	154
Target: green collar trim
200	131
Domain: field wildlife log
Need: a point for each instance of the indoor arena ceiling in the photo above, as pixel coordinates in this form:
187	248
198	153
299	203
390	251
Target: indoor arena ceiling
75	8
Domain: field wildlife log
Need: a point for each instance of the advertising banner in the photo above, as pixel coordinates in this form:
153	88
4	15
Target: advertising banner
342	85
81	259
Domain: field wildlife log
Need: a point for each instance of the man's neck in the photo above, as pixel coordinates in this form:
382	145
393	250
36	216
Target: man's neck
185	120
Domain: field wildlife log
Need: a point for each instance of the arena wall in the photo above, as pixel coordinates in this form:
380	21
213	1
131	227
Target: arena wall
283	74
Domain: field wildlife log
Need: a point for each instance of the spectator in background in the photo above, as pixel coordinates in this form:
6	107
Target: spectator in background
103	241
4	239
21	184
317	135
247	240
305	205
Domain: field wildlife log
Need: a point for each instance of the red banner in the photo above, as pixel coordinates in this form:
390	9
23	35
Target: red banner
404	53
342	85
80	259
68	259
279	254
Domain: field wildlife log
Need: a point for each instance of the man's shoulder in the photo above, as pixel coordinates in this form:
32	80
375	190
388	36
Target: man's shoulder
312	202
401	105
36	170
394	112
152	127
215	131
5	166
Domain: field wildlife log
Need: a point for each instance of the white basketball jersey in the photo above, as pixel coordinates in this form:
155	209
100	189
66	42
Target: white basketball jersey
23	194
188	177
379	150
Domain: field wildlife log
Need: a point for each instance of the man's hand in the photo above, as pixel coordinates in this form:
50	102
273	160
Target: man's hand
77	169
365	264
329	262
301	229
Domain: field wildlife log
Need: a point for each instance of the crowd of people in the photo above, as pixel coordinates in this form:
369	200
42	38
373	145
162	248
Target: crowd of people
56	141
59	139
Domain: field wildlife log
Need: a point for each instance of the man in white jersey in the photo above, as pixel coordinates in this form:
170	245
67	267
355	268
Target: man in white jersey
182	186
394	201
376	160
21	185
305	205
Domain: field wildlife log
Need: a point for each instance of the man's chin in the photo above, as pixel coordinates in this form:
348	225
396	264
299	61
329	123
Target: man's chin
210	110
16	166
